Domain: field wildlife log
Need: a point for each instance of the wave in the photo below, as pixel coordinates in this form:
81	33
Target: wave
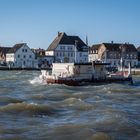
31	109
77	104
101	136
7	100
79	132
36	80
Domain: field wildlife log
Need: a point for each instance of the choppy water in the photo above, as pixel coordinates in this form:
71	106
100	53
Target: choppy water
30	109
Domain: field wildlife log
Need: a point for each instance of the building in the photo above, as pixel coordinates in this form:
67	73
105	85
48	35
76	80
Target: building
39	52
138	49
21	56
116	54
44	61
93	53
66	49
3	51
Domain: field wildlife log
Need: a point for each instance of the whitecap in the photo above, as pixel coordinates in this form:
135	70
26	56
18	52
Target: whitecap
36	80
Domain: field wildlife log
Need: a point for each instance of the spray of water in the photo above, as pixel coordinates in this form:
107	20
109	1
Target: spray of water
36	80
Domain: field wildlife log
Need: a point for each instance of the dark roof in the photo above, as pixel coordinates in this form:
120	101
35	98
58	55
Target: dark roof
4	49
120	47
129	48
63	38
16	47
138	49
94	47
112	46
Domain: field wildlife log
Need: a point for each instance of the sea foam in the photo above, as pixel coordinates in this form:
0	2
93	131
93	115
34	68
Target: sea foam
36	80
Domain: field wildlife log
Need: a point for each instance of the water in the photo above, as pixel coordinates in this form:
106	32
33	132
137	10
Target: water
30	109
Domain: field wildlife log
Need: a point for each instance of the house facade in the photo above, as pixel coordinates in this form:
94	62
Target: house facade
138	49
117	54
93	53
21	56
68	49
44	61
3	51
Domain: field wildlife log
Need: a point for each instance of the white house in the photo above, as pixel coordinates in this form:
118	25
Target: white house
21	56
93	53
66	49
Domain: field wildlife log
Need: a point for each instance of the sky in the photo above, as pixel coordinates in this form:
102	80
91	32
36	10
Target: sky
37	22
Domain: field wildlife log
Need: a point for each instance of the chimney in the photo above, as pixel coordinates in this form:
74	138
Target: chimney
112	42
59	33
86	40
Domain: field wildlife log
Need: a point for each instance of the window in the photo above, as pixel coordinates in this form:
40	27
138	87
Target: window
30	56
80	54
18	56
110	55
135	56
22	50
24	56
24	62
25	50
114	56
127	56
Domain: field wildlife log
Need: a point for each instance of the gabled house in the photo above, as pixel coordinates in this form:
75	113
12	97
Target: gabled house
3	51
66	48
117	53
21	56
93	53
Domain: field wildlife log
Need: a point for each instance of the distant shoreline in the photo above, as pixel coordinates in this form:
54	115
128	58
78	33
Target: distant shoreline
134	71
37	69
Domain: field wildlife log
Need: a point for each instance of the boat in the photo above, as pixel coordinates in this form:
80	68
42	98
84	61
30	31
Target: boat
76	74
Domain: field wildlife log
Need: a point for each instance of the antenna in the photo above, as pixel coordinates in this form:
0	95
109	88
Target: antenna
86	40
